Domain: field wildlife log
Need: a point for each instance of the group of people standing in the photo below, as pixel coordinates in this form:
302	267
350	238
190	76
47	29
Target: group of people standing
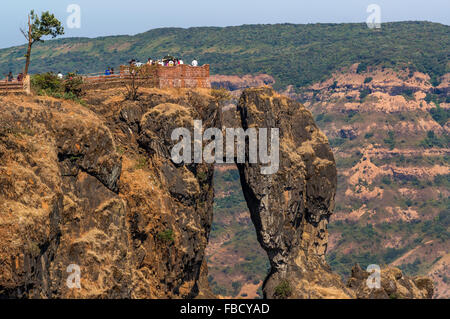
10	77
166	61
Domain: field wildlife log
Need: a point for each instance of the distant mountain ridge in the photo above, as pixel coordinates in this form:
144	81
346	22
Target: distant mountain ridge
297	55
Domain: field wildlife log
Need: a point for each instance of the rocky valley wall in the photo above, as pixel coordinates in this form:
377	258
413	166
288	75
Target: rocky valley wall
94	187
99	191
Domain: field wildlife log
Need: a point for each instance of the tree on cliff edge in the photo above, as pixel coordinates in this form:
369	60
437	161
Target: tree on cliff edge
135	77
38	27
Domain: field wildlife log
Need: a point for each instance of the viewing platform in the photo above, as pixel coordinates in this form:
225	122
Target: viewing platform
158	76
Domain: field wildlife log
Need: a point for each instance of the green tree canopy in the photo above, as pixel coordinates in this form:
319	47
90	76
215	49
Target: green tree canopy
46	25
39	27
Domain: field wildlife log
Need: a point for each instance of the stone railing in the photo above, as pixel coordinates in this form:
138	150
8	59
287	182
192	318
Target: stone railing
15	86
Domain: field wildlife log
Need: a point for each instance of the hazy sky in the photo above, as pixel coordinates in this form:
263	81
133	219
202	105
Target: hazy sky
112	17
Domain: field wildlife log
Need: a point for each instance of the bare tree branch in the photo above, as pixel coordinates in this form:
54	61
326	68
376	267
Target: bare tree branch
25	34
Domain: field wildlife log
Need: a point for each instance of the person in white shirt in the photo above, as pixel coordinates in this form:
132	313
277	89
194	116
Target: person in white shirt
181	62
60	76
195	63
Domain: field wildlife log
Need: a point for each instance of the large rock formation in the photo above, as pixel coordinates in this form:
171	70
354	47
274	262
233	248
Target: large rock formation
184	205
58	202
291	208
99	193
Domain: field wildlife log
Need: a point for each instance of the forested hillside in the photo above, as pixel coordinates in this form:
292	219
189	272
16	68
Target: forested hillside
293	54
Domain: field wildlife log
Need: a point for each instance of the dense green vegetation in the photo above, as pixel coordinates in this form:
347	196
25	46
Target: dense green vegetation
293	54
372	251
69	87
440	115
434	141
166	236
283	290
413	160
390	141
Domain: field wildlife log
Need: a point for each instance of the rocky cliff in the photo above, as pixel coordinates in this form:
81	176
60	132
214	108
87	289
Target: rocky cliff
291	208
91	190
95	187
